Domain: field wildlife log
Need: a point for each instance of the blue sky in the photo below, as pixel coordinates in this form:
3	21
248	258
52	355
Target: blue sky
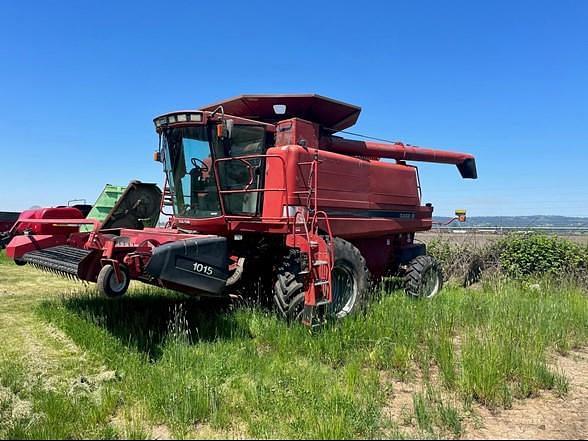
507	81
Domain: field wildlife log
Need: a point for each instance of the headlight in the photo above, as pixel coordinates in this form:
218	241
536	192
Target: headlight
178	117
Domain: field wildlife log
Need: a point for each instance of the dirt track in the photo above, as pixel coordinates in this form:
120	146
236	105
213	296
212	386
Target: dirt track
546	416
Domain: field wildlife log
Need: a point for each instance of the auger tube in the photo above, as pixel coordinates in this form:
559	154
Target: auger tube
465	162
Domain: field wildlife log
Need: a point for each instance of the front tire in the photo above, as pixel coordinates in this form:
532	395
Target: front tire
350	280
107	283
424	277
289	287
349	277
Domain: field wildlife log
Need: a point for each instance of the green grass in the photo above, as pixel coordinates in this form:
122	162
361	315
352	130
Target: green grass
434	416
4	259
84	366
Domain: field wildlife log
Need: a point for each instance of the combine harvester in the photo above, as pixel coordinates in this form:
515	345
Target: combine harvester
265	199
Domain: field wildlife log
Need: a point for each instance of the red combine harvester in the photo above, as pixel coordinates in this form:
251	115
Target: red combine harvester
265	200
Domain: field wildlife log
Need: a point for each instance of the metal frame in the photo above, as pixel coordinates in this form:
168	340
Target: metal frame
284	189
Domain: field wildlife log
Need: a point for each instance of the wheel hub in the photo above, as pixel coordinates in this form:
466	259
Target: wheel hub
115	285
344	290
430	284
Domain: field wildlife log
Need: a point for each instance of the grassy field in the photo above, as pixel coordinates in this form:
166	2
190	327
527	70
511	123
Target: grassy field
154	364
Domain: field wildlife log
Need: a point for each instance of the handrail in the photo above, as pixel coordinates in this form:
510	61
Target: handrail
245	159
315	220
165	194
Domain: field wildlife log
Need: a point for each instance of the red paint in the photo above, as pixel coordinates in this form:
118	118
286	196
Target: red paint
36	222
20	245
399	151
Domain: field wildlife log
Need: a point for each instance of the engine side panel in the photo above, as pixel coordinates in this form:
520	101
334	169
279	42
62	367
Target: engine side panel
363	197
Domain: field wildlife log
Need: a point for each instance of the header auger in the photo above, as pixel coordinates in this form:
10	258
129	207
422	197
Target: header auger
264	198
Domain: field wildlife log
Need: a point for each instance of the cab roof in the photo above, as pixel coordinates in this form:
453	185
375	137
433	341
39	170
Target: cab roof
330	114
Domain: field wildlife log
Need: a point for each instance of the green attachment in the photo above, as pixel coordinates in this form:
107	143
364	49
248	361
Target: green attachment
104	204
135	206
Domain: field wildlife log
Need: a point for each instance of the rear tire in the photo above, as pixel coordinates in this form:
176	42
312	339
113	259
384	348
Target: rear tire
107	283
350	283
424	277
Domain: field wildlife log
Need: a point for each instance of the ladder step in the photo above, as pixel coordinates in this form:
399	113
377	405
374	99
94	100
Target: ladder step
321	282
322	303
320	262
303	273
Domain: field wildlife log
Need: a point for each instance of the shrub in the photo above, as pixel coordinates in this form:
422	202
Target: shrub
515	256
538	254
463	262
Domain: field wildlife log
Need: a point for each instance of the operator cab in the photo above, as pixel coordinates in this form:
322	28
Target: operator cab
204	152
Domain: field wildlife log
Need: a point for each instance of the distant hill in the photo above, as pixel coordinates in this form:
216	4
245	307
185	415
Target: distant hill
521	221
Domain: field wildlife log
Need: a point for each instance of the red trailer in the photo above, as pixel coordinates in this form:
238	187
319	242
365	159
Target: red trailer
265	198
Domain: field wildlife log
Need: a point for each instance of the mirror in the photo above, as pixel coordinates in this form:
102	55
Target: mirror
229	128
225	130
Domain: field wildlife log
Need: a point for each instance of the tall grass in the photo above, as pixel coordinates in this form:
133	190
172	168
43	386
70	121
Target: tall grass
198	369
246	370
4	259
202	368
